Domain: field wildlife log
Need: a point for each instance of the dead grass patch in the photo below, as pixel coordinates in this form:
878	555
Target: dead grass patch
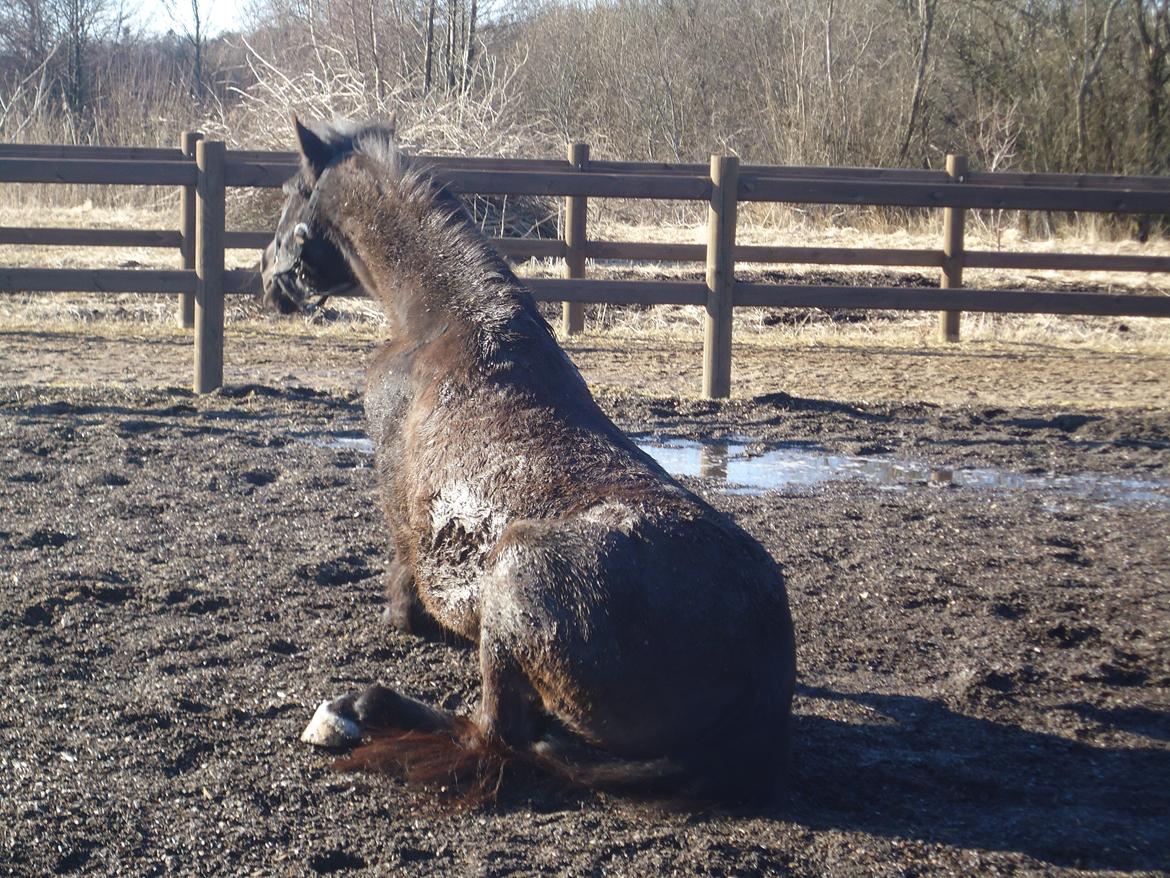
768	327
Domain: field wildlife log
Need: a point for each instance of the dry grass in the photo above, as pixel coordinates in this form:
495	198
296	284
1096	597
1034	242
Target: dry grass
129	313
888	329
786	231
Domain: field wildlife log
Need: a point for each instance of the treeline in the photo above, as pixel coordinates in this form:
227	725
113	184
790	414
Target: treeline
1058	85
82	71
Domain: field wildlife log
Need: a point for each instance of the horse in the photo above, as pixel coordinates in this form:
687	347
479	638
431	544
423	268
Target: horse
629	636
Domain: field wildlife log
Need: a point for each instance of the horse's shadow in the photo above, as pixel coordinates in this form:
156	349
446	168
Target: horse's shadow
927	773
920	771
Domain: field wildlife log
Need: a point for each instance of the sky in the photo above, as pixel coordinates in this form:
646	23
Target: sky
219	15
222	15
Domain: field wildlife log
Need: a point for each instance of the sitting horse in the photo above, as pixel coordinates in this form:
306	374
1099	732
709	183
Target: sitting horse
629	636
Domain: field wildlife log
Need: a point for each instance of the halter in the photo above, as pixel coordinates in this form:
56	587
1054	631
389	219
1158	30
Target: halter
290	263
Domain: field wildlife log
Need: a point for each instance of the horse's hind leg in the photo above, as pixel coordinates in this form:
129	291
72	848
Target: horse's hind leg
380	707
509	711
342	722
509	708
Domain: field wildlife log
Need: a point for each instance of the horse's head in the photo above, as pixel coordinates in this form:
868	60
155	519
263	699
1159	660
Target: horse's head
304	265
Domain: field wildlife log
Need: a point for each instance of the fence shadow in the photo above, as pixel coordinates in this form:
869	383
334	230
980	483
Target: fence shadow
928	773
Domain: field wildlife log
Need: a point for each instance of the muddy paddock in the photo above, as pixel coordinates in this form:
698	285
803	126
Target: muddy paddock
981	595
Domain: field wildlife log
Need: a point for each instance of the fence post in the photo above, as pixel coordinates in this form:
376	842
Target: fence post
209	234
576	206
187	143
720	277
954	220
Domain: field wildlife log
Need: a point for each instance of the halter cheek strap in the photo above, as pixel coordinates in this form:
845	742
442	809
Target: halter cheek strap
301	229
291	263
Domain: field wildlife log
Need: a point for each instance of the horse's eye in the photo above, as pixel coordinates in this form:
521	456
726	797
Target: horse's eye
300	232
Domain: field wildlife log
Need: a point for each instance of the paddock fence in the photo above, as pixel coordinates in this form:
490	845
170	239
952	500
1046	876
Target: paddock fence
203	170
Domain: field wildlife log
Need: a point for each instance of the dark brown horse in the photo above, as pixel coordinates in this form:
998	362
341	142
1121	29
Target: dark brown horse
628	634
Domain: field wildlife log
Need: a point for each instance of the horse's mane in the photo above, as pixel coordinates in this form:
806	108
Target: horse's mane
374	139
486	293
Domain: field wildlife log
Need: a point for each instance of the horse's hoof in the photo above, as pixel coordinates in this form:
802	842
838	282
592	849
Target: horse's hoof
330	729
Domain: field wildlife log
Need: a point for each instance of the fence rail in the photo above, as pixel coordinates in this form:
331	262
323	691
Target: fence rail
202	170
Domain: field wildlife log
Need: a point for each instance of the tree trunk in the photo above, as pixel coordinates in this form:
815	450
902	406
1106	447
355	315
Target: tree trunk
450	44
357	40
926	22
197	42
429	58
1094	53
469	48
829	49
1154	34
375	56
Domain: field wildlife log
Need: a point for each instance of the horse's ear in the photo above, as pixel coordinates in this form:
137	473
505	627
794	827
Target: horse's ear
315	152
392	126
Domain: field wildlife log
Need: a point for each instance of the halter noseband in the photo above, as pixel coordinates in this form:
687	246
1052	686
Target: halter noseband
292	265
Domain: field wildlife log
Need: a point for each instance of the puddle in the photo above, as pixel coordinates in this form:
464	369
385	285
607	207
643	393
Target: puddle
342	440
743	471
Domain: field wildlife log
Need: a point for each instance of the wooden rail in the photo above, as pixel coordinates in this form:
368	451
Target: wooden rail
203	170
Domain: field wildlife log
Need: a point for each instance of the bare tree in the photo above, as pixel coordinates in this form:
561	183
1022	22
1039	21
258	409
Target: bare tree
469	46
430	46
1055	85
1153	28
1095	40
925	11
449	54
190	17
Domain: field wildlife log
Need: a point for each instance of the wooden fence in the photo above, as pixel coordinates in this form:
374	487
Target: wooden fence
203	170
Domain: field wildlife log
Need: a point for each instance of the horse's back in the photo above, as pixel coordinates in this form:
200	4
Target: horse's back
646	622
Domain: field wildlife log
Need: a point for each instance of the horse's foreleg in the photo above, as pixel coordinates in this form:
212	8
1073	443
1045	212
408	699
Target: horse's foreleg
404	610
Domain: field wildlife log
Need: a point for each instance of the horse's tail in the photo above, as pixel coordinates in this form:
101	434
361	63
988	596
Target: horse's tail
597	770
461	762
469	768
738	758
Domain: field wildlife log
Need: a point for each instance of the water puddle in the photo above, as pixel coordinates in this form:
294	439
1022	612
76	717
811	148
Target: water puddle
342	440
742	468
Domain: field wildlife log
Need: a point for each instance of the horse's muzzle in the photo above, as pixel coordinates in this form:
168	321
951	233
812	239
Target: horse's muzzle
282	293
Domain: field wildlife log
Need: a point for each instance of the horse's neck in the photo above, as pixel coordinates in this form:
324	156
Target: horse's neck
453	304
430	283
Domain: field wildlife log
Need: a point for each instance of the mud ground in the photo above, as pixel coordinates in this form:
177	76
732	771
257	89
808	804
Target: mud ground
984	675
